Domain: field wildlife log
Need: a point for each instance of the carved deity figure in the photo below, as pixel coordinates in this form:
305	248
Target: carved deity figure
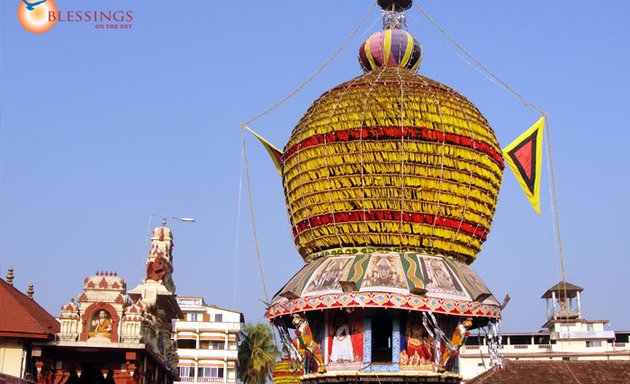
457	340
101	327
157	269
306	342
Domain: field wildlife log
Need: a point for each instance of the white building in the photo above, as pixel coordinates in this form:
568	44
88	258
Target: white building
206	339
565	336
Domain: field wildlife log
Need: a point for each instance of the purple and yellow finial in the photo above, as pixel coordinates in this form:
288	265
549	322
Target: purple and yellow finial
394	46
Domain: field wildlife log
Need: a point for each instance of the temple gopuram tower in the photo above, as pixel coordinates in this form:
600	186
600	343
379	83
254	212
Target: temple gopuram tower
391	181
112	335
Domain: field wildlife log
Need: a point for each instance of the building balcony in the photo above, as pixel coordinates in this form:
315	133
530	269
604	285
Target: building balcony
202	380
474	350
199	326
210	354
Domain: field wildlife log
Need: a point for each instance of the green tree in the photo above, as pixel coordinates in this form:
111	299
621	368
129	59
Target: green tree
257	354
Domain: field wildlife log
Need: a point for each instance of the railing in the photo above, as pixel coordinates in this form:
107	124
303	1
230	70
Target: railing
231	354
583	335
544	346
210	379
199	326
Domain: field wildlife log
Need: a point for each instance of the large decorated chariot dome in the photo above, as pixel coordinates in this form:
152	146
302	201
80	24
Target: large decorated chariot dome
392	159
391	181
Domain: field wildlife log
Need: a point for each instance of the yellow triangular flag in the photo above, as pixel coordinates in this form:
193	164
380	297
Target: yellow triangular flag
524	156
275	153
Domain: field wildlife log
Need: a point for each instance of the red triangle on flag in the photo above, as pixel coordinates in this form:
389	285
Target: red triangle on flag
524	157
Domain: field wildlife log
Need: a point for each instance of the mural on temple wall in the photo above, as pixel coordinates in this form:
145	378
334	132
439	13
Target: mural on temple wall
345	340
469	278
299	281
440	280
326	278
416	347
385	271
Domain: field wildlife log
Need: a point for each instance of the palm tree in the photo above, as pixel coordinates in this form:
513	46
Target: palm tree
257	354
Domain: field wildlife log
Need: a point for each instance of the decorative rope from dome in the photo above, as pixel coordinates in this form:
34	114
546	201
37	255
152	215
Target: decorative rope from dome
315	74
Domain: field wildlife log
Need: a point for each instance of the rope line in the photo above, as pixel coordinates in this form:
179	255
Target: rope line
555	203
403	184
251	212
238	225
528	104
476	61
316	73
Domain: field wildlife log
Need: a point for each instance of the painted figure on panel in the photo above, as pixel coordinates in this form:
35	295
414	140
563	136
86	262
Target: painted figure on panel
342	350
473	278
419	349
102	326
384	271
328	275
440	279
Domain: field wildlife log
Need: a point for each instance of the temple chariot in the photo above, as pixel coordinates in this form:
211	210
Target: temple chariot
391	182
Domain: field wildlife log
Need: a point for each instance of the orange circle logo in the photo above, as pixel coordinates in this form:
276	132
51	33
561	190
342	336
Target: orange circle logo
34	15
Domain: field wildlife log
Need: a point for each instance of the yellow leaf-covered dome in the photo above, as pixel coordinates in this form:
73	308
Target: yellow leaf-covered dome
392	159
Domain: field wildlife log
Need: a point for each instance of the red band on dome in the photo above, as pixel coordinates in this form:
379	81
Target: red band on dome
413	133
391	216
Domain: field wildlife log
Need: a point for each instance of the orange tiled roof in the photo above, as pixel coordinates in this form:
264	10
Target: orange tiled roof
558	372
21	316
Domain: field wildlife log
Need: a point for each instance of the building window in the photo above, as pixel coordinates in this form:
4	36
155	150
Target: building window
593	344
186	371
210	372
186	344
212	344
217	345
218	318
193	317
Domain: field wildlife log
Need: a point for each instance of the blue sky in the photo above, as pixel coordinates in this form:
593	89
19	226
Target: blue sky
98	129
